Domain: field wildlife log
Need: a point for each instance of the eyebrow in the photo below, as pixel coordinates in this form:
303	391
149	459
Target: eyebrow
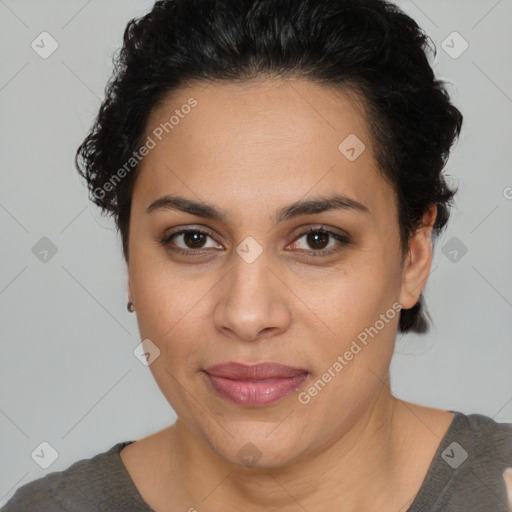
296	209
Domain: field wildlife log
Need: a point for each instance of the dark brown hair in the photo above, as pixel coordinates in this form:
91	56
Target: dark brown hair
369	46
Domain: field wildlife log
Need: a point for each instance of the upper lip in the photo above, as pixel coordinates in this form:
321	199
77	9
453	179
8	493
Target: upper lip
239	371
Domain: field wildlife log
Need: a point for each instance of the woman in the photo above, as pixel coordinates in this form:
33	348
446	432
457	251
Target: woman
275	171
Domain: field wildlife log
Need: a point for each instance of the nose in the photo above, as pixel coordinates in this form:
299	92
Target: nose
252	301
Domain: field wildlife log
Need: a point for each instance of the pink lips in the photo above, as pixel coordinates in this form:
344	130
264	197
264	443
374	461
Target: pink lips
255	385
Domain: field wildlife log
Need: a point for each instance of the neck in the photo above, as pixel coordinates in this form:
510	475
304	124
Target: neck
359	470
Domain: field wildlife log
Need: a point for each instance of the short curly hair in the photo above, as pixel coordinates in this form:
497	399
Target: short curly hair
367	46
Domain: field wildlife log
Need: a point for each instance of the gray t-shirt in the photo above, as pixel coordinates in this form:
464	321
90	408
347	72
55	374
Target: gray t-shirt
466	475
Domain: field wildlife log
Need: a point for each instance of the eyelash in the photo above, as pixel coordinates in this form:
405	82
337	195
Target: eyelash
342	239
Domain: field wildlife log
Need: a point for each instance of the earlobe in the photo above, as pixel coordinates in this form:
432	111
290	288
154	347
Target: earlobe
418	261
130	306
128	289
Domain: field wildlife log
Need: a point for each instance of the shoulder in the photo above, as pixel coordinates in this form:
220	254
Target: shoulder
79	488
486	439
472	467
485	455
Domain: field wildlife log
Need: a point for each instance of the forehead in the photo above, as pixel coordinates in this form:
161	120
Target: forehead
249	139
276	114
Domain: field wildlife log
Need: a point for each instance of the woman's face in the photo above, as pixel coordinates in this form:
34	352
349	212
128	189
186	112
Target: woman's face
255	287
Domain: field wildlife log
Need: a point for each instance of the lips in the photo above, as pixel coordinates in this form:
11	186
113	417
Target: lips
255	385
261	371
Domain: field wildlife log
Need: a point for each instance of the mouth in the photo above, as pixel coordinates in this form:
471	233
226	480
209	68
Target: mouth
254	385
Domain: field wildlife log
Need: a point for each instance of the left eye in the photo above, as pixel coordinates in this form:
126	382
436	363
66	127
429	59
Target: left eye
320	241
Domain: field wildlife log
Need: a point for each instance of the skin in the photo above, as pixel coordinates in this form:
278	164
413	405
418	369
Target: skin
250	149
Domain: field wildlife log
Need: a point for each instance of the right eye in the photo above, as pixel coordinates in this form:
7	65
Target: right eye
188	242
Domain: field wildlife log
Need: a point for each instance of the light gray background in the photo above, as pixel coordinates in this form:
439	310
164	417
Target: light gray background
67	369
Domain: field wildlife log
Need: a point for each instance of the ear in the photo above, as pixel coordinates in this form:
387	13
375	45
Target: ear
418	261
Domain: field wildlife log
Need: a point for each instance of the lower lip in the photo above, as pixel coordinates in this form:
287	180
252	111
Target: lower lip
255	393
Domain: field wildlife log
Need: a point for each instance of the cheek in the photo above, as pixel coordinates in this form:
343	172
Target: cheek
167	310
353	296
355	353
160	302
174	312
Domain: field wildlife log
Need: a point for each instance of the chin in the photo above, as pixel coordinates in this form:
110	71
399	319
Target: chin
259	449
